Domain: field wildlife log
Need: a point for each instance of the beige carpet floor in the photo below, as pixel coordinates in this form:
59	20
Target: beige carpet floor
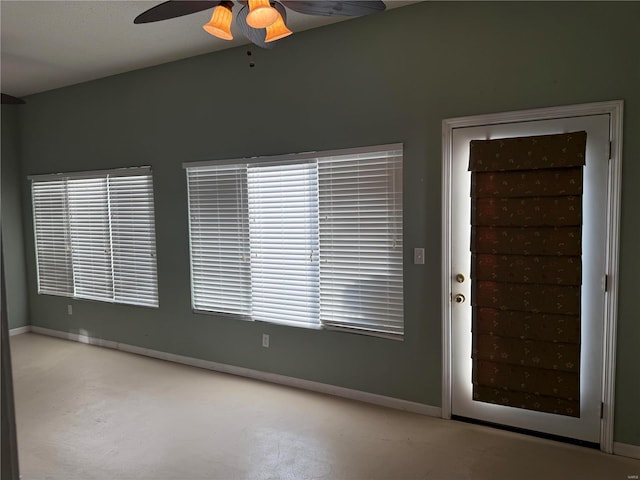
85	412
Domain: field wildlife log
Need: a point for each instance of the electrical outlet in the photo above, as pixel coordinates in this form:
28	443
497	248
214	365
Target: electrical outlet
69	309
265	340
418	256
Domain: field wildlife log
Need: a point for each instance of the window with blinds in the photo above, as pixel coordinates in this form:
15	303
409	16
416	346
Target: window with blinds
95	235
312	240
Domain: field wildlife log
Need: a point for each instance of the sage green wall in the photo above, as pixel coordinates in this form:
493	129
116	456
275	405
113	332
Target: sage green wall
12	231
387	78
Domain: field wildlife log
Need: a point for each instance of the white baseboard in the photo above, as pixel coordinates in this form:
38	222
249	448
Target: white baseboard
626	450
19	330
76	337
366	397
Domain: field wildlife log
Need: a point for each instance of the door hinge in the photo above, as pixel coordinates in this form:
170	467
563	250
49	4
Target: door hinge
601	409
610	149
606	283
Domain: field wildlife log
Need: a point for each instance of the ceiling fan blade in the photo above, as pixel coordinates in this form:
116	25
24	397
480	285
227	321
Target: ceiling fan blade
173	9
255	35
328	8
11	100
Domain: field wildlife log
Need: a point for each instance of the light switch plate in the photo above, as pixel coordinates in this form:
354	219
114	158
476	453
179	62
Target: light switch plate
418	256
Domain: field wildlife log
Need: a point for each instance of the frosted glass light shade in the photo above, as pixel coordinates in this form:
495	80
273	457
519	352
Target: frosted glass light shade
220	23
261	14
277	30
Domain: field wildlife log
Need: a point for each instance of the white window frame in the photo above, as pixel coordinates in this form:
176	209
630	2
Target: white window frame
108	249
388	321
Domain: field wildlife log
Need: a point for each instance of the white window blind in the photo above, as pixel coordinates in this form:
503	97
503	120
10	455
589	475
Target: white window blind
133	240
361	241
105	222
90	238
309	240
53	244
219	239
283	212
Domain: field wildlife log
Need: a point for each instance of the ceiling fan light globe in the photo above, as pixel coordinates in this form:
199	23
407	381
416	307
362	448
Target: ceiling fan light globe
277	30
261	14
220	23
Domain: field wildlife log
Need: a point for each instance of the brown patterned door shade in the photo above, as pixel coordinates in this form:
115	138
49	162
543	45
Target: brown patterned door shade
526	271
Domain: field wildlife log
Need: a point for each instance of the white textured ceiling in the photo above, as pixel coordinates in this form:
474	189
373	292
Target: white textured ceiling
52	44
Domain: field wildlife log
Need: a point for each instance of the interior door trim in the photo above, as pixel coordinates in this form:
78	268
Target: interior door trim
615	110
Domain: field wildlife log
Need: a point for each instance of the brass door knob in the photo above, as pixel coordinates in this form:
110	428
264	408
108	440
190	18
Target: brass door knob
459	298
460	278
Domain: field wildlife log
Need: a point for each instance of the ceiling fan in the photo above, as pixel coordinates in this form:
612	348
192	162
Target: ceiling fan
261	21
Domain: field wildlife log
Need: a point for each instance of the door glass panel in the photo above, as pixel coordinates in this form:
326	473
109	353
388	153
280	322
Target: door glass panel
526	216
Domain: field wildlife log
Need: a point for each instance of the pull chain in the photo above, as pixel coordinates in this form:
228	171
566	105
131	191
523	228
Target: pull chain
251	62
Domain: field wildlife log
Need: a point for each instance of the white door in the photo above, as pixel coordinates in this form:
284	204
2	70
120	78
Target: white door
594	244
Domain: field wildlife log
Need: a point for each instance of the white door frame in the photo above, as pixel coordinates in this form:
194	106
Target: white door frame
615	110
